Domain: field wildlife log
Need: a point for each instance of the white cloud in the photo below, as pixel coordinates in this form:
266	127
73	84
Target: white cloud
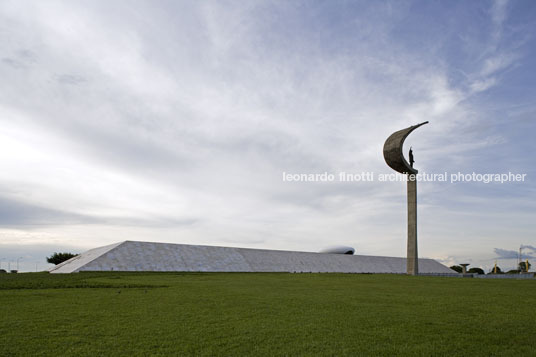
498	12
497	63
482	85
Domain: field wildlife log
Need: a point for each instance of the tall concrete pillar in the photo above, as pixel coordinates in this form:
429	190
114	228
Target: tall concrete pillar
413	256
392	152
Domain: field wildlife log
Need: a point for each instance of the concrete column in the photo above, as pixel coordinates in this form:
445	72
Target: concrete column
464	268
413	256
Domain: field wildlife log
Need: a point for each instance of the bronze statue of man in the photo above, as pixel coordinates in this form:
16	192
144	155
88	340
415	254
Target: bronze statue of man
411	160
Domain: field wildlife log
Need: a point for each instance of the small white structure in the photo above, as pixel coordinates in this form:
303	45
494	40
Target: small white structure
339	249
146	256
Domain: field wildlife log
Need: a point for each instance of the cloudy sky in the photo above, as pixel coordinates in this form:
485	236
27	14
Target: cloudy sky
174	121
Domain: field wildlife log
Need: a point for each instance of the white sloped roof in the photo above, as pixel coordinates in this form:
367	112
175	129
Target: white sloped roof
147	256
75	263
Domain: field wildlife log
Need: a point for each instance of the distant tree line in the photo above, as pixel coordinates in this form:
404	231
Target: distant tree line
522	268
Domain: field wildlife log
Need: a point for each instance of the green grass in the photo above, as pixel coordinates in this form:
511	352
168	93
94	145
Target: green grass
143	314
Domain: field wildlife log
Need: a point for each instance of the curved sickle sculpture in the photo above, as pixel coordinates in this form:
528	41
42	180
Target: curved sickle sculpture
392	150
394	157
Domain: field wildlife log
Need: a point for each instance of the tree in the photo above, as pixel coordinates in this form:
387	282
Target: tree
476	271
499	271
457	268
523	266
513	271
58	258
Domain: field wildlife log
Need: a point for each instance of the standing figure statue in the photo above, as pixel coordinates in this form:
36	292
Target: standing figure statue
411	159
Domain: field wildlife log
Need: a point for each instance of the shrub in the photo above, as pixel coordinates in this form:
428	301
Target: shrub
457	268
58	258
476	271
499	271
523	266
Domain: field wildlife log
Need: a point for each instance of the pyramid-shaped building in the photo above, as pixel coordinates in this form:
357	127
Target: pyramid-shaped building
147	256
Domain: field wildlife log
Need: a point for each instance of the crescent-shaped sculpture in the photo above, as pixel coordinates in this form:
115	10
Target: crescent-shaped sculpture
392	150
394	157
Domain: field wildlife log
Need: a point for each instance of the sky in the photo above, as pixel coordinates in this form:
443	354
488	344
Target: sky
175	121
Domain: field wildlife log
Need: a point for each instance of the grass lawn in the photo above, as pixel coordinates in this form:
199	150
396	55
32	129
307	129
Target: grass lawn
208	314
